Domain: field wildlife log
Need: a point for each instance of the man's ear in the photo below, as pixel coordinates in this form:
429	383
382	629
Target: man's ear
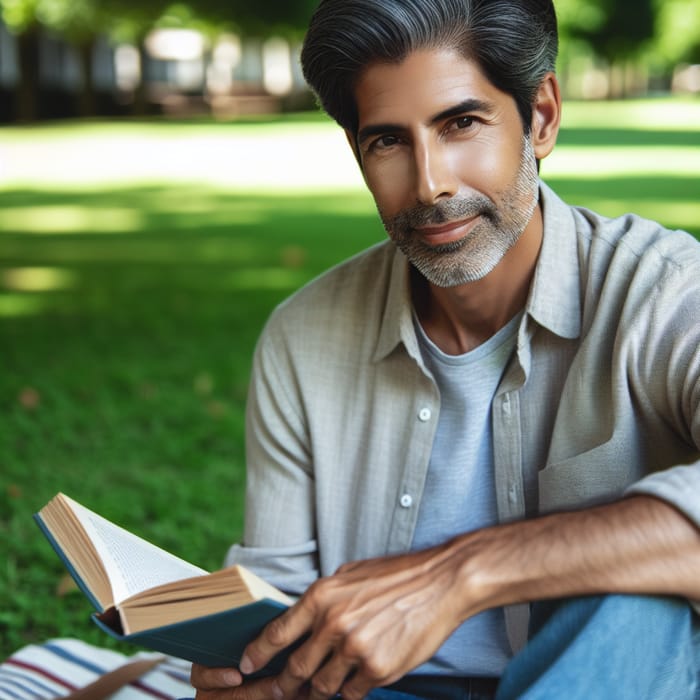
546	116
352	140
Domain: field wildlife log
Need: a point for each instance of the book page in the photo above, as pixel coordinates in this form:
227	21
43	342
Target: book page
132	563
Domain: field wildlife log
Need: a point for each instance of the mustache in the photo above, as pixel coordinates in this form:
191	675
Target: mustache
442	212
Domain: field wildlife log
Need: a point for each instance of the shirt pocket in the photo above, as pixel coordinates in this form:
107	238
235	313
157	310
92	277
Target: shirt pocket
598	475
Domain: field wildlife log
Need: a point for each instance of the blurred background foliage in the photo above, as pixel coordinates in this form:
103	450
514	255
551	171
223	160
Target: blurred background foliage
610	48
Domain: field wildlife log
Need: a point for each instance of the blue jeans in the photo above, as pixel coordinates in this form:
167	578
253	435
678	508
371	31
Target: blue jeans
598	648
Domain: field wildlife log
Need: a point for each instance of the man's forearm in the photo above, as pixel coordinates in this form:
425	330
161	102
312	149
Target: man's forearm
637	545
375	620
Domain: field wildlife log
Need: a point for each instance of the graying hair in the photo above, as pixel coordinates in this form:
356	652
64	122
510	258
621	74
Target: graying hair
514	42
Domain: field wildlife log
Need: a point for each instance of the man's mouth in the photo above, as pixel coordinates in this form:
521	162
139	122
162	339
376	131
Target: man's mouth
448	232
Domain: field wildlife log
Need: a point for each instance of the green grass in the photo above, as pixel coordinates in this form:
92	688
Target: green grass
125	378
138	262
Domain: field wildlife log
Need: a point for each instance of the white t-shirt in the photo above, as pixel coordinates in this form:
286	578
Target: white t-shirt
460	493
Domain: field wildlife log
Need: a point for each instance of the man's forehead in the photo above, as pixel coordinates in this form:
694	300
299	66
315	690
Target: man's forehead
425	83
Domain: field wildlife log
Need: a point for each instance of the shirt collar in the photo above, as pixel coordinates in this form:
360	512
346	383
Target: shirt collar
555	294
554	300
397	323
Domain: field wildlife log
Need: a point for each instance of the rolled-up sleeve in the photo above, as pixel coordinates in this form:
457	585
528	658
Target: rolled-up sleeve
279	541
666	377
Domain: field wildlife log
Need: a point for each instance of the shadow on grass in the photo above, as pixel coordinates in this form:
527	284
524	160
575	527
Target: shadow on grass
605	136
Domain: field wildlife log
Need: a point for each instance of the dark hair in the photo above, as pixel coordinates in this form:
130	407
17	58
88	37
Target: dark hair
514	42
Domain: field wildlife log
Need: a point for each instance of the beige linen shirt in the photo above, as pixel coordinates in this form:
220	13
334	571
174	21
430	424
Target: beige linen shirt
601	398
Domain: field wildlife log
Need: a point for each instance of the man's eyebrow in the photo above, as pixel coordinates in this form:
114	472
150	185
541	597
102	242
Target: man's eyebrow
468	105
376	130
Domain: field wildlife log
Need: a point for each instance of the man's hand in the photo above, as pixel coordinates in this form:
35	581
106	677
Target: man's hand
227	684
212	682
368	625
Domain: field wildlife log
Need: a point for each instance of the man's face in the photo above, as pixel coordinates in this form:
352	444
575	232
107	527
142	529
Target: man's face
445	157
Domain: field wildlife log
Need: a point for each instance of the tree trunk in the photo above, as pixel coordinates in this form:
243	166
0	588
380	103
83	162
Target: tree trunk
87	102
141	100
26	106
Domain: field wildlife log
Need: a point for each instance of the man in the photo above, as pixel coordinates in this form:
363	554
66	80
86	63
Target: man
499	407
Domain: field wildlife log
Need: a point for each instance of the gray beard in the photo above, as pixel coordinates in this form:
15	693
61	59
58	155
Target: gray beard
473	257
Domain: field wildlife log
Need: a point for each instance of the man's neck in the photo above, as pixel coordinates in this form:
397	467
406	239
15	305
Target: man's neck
458	319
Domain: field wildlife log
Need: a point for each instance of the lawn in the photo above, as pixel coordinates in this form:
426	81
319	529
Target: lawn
138	262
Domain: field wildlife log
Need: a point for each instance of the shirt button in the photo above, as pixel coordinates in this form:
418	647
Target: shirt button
425	415
406	500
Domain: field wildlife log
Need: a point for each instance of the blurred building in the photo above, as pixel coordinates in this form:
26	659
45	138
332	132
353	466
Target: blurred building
175	72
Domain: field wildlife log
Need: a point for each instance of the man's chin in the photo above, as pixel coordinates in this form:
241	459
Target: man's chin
450	271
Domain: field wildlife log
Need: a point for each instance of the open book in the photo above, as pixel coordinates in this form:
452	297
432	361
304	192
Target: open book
146	595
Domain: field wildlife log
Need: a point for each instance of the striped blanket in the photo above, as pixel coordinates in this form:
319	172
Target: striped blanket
69	668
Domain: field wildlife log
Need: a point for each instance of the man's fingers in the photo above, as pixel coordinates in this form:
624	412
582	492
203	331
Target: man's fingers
209	685
330	678
277	635
303	666
205	678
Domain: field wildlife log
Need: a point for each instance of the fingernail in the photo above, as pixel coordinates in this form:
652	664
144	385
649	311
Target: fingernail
246	665
277	691
232	679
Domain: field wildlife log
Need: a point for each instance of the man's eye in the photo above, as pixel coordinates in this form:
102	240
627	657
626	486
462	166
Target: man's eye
463	122
385	142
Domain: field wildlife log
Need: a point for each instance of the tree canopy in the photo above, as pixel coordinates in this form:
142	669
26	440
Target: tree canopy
678	30
613	29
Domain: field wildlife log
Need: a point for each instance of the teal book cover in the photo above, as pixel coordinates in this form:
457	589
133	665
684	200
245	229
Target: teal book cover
204	618
214	640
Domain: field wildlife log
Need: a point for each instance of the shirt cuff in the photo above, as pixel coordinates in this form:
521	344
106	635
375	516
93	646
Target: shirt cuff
291	569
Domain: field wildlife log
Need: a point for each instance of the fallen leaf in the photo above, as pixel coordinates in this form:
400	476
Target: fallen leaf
29	398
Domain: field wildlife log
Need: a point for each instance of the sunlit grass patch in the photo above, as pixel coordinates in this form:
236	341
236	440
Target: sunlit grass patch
50	219
260	159
658	114
36	279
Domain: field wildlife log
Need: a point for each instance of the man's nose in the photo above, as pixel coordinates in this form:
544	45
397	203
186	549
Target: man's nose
435	176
